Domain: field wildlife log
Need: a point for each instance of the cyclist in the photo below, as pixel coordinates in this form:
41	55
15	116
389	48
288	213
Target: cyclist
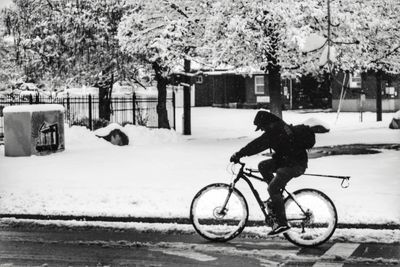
287	161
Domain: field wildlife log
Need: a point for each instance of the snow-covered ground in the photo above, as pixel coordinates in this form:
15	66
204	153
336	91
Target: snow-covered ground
160	171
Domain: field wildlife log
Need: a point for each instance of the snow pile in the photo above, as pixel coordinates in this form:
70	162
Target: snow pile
79	137
141	135
108	129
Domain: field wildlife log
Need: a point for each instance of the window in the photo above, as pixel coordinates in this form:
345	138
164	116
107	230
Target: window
259	85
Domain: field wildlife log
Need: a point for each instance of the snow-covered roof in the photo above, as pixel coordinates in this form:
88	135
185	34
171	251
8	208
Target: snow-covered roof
28	86
33	108
28	93
81	91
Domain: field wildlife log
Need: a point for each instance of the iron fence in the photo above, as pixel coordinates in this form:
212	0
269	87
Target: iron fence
84	110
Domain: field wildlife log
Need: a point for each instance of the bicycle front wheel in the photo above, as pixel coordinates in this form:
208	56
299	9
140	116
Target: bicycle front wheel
219	212
312	217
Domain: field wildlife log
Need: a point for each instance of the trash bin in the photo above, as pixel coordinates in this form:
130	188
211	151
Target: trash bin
33	129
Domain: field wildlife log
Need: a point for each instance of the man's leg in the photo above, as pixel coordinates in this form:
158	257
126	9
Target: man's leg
267	168
275	188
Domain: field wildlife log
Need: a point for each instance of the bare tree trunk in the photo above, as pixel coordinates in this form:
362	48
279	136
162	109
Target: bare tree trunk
104	103
162	97
274	78
274	73
105	89
379	75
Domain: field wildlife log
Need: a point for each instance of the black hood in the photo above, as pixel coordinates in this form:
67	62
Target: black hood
264	118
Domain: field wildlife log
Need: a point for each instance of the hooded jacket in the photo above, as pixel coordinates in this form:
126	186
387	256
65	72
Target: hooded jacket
276	137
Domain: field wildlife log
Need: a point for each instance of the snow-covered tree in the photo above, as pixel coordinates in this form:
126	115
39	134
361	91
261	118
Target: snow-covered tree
8	67
71	39
70	42
251	35
272	34
160	35
363	34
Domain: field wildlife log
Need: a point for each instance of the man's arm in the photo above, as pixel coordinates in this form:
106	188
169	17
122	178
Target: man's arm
256	146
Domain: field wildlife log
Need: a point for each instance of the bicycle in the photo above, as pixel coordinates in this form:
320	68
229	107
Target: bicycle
219	211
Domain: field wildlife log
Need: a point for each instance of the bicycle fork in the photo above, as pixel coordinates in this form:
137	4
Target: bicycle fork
223	208
230	191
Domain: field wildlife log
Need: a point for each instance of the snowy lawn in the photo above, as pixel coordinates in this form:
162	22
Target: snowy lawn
160	171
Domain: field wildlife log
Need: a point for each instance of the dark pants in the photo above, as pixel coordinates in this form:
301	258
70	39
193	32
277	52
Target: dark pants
276	184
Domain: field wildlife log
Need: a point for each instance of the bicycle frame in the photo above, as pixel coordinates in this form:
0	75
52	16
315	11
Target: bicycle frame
246	175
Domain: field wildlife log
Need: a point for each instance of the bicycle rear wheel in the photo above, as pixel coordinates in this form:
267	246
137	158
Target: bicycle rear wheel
315	223
211	220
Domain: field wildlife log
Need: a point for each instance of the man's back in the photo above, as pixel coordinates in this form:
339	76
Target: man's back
277	138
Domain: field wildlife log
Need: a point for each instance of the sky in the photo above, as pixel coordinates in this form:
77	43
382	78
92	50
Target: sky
5	3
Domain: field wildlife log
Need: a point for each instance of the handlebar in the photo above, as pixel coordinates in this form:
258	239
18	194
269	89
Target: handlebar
240	162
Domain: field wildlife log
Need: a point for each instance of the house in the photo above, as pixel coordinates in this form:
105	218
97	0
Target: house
361	92
231	89
305	92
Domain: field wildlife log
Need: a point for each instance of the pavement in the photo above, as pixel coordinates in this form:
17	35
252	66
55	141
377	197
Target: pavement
43	245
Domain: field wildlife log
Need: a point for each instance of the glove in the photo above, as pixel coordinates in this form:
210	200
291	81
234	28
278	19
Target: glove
235	158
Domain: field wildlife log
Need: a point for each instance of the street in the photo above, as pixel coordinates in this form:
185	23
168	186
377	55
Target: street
34	245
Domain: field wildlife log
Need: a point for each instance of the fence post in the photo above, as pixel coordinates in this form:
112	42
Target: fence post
174	108
68	111
90	113
134	108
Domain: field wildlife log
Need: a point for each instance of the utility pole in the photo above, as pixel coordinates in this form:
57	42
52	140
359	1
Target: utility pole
186	102
329	34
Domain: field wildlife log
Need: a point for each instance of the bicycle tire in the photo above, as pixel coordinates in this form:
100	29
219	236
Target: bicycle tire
205	216
319	226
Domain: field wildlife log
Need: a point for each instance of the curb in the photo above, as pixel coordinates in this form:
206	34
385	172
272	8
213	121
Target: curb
176	220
